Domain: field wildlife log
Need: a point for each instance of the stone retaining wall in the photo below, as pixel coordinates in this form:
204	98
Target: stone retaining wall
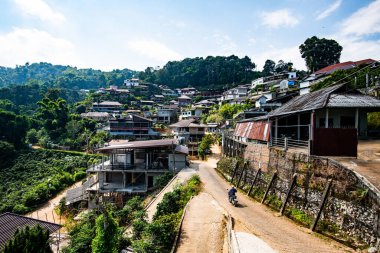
352	210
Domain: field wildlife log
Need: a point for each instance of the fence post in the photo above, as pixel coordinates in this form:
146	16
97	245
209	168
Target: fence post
294	180
286	143
242	173
322	204
269	186
235	170
254	181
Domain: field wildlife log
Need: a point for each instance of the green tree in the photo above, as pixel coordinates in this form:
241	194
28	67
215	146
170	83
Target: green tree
320	53
283	66
32	136
107	234
13	128
54	114
268	68
35	239
205	145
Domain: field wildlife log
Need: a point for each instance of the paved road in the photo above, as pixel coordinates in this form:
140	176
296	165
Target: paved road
279	233
203	226
181	177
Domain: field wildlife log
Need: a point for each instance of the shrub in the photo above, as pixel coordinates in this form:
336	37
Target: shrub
35	239
163	180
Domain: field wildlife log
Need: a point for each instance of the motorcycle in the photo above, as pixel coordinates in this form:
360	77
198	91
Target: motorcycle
233	200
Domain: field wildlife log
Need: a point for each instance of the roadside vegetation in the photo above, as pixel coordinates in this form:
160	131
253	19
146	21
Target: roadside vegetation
128	226
31	177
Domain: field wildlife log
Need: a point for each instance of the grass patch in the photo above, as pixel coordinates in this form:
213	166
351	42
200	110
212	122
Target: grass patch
274	202
300	217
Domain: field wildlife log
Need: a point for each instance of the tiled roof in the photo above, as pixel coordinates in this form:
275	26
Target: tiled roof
10	222
335	67
343	65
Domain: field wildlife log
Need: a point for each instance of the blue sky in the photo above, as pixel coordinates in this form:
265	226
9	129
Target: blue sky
136	34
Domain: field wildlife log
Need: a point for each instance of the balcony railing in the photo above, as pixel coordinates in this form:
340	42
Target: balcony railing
129	167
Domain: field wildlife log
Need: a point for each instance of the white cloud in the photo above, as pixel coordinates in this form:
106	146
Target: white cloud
33	45
289	54
154	50
356	48
252	41
224	45
363	22
41	10
279	18
329	10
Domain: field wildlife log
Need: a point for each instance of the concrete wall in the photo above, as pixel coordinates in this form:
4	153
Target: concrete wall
177	161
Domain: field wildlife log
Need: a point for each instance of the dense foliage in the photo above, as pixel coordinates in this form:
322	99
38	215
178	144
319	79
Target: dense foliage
205	145
320	53
159	235
354	77
34	239
203	73
34	176
81	234
62	76
107	233
13	128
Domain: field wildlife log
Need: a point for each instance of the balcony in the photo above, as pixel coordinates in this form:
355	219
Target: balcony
128	167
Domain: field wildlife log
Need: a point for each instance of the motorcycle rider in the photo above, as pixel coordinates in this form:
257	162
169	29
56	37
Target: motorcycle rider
232	193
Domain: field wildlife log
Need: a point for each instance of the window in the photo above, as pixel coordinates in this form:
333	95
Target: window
347	122
322	122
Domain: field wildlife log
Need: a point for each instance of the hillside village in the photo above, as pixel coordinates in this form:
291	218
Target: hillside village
151	134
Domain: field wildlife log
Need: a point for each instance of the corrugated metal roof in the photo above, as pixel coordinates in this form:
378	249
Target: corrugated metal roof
182	149
79	193
253	130
10	222
183	123
353	100
306	102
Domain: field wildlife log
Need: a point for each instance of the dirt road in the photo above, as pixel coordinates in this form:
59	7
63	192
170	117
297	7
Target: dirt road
280	233
46	212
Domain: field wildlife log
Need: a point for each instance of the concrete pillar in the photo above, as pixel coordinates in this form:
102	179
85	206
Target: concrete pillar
327	118
357	120
276	129
298	126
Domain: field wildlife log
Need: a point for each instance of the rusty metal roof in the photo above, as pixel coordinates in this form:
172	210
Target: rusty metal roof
10	222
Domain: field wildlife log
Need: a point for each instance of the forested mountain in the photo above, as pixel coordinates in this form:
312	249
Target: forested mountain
62	76
203	73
